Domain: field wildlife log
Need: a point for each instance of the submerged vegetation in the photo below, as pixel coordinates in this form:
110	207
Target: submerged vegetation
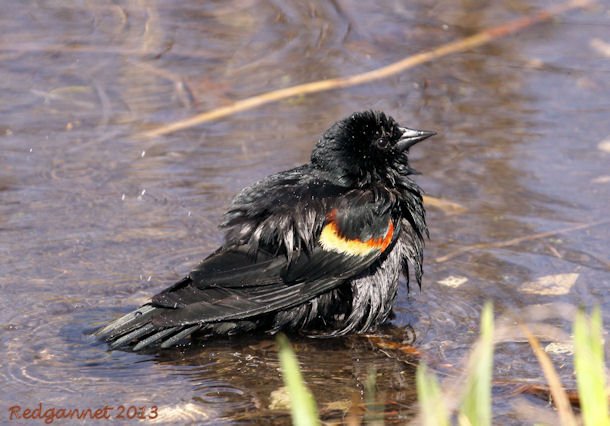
472	403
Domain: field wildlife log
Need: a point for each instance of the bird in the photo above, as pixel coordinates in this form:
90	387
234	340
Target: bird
316	250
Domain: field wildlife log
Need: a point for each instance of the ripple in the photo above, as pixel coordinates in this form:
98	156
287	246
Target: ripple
55	355
227	372
221	394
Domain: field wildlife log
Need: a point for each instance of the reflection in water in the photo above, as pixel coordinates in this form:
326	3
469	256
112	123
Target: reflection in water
93	221
243	377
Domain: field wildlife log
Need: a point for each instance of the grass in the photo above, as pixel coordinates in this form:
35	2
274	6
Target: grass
476	406
433	408
302	404
474	402
590	368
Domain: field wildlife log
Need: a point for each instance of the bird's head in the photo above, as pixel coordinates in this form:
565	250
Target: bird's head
366	147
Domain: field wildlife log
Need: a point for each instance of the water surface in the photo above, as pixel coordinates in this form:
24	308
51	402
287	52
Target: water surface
94	220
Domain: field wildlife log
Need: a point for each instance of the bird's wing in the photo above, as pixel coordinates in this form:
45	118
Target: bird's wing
238	282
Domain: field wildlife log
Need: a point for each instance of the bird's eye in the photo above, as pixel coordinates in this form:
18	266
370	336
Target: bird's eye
383	142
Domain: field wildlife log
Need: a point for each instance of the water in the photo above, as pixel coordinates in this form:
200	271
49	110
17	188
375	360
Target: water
94	220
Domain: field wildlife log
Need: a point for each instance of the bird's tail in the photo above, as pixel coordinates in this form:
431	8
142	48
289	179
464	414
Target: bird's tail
137	330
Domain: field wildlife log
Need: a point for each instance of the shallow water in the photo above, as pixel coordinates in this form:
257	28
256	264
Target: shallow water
93	220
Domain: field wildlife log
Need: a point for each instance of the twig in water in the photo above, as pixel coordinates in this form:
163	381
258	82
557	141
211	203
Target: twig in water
518	240
470	42
562	402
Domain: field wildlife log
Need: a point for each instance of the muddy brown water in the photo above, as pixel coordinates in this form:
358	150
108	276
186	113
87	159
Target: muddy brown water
94	220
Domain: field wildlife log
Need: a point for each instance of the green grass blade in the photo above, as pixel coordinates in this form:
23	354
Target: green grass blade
590	369
476	406
373	416
431	403
302	404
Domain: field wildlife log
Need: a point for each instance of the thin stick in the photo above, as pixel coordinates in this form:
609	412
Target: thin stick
560	398
446	206
471	42
518	240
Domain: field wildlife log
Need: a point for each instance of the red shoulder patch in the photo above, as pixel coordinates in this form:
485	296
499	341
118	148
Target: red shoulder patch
332	240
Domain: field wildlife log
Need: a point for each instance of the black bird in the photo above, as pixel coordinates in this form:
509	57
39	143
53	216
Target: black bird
317	249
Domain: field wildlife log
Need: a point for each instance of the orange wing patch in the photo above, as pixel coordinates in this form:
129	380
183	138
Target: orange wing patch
332	240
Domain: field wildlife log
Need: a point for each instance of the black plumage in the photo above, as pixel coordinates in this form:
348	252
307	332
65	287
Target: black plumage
317	249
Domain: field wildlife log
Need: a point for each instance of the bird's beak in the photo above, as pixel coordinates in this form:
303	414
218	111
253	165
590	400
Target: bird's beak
410	137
